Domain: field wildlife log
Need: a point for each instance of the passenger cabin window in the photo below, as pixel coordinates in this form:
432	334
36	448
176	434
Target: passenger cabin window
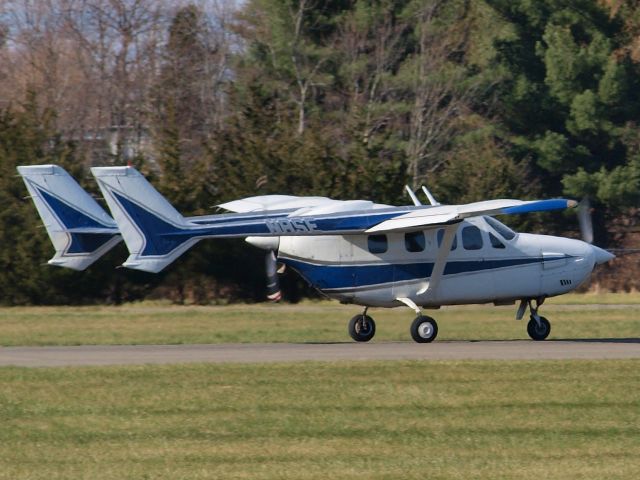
414	241
377	243
501	228
495	243
440	236
471	238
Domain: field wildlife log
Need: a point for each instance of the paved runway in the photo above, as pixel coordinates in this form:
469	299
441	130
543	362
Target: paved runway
286	352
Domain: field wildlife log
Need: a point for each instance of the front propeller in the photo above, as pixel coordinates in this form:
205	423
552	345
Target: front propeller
584	220
586	230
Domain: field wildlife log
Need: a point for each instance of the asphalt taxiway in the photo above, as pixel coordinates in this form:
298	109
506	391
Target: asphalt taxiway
96	355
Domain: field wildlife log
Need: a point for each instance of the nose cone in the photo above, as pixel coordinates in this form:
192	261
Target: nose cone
601	256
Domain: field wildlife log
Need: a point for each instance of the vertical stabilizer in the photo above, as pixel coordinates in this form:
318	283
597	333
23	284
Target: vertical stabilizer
80	230
155	232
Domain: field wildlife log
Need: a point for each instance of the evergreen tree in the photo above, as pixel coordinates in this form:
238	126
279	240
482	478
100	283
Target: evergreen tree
570	97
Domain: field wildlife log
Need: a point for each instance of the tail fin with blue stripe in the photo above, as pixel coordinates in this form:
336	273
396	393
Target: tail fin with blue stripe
155	233
80	230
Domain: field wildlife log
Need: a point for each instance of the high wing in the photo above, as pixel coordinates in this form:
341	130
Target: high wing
446	214
450	216
156	234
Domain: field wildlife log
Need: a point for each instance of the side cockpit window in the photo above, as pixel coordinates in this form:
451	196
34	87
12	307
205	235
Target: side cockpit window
471	238
495	242
377	243
414	241
501	228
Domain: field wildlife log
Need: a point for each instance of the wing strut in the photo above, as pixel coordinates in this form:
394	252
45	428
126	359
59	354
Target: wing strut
441	259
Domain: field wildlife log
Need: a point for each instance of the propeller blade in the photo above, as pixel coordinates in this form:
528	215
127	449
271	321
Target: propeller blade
584	219
273	283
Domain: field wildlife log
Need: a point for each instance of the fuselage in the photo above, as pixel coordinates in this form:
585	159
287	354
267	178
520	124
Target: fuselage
487	263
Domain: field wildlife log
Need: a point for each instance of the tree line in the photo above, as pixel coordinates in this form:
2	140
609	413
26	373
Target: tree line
214	100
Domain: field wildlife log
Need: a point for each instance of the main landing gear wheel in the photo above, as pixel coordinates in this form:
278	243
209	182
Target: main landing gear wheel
362	328
538	330
424	329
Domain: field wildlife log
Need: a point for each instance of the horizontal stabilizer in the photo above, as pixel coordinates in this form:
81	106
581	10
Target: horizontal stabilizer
80	230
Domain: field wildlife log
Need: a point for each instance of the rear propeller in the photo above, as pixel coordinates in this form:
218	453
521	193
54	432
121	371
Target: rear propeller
273	282
272	269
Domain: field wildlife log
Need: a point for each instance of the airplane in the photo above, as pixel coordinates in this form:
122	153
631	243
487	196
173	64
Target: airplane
355	251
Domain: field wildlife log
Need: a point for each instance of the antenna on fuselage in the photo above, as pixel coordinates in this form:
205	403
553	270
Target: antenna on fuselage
414	199
430	197
426	191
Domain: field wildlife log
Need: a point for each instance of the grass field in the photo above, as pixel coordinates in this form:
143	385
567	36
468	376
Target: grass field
572	316
343	420
395	420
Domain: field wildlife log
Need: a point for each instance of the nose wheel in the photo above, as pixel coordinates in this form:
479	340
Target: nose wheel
538	327
362	328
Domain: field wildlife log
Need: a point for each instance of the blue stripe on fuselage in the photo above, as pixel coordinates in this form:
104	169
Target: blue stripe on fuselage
331	277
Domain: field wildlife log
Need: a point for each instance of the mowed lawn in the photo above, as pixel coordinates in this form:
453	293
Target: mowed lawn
573	316
394	420
342	420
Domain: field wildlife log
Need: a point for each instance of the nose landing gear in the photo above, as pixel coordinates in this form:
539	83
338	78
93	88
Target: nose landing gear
538	327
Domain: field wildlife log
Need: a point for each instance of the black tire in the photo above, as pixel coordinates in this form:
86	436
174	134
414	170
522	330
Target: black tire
538	332
424	329
362	328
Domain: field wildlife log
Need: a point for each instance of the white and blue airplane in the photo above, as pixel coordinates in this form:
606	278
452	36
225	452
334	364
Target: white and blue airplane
355	251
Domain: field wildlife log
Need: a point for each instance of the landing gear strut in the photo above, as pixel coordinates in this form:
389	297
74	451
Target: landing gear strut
423	329
362	328
538	327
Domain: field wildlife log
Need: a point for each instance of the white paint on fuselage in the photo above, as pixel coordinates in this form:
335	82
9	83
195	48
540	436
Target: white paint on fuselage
557	265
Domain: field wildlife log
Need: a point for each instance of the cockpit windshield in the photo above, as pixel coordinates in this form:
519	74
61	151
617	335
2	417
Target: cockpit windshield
501	228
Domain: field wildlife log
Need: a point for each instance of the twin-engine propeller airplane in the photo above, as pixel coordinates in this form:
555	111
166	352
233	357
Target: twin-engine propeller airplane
355	251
